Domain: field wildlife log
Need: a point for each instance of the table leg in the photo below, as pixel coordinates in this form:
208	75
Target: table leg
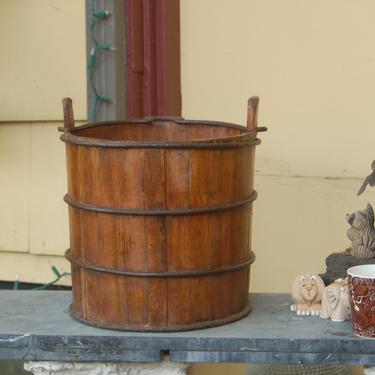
107	368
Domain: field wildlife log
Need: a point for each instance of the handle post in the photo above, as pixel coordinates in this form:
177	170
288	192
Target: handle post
68	114
252	114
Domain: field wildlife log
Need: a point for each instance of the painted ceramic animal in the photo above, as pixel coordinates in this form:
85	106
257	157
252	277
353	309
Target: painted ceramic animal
307	292
335	301
362	232
369	180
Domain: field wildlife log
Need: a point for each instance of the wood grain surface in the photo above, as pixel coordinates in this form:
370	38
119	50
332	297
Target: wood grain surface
160	237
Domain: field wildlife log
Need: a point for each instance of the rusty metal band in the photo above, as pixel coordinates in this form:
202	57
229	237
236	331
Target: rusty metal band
174	212
96	142
182	273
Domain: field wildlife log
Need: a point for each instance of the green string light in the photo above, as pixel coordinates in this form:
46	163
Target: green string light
101	14
16	285
97	46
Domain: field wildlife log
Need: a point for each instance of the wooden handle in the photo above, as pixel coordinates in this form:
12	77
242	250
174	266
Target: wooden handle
68	114
252	114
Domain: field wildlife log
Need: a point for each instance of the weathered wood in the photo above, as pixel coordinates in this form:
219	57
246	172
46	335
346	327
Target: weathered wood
68	114
252	114
160	214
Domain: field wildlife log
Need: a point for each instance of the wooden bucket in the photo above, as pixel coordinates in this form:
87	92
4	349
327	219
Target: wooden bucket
160	221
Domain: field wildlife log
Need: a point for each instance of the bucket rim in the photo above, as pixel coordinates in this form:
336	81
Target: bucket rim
244	139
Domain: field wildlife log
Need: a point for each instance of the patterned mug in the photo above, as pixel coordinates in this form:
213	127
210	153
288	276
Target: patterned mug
361	288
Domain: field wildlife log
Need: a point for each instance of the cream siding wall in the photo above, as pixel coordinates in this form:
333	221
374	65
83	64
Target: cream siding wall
14	197
311	62
42	60
313	65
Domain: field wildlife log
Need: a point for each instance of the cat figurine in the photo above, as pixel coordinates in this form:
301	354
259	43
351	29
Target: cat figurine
362	232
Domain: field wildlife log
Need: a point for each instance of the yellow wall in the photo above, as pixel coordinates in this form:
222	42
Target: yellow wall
311	62
42	61
313	65
42	58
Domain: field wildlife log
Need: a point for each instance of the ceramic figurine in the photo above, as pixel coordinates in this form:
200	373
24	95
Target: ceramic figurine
362	232
335	301
307	292
369	180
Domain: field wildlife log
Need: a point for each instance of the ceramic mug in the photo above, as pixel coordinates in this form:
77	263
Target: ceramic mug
361	288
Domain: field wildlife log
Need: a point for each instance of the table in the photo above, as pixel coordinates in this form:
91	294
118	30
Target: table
35	326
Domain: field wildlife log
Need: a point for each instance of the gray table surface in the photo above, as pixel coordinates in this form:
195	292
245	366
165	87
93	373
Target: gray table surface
35	325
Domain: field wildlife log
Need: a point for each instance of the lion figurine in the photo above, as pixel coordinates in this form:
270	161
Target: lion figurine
362	232
307	290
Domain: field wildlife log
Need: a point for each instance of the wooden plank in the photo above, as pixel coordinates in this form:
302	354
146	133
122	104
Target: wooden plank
134	178
110	177
156	244
154	179
88	167
177	178
138	300
201	308
177	196
222	300
158	302
155	235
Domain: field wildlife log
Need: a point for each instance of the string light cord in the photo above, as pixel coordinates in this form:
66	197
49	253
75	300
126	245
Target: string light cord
97	46
16	285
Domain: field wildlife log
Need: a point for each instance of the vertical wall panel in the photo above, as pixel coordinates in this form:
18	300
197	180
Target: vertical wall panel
14	187
48	228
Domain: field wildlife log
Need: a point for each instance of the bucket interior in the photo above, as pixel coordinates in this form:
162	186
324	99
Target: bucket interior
159	131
